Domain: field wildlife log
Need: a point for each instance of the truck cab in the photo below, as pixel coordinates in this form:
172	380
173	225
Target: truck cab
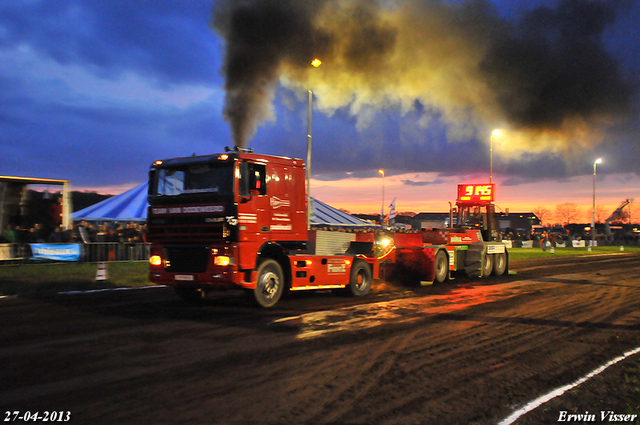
239	220
202	207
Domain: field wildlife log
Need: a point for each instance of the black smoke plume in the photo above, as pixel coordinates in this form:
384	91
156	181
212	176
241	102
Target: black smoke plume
549	79
259	36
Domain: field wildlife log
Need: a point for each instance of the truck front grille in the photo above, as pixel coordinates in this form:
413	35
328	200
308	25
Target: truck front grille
187	259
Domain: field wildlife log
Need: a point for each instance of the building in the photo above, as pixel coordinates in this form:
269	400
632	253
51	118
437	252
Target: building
507	222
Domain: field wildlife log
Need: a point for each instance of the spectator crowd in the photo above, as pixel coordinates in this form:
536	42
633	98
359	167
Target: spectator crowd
84	232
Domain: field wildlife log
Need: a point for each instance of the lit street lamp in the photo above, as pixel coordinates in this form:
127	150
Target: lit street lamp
382	210
494	133
315	63
593	215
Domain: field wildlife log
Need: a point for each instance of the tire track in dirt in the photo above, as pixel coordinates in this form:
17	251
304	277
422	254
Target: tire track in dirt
403	361
440	370
353	390
497	351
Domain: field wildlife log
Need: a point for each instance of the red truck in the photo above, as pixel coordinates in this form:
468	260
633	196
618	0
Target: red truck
239	220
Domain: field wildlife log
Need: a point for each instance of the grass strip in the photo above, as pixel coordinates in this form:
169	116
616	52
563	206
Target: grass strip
536	253
48	279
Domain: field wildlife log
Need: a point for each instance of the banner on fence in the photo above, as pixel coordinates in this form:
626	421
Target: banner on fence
68	252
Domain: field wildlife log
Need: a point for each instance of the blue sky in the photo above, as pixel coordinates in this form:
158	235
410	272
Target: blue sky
94	91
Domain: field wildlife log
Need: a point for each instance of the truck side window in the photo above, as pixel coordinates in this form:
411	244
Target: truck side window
252	179
257	182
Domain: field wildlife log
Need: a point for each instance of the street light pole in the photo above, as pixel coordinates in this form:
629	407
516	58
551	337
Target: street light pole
309	164
495	132
593	212
315	63
382	210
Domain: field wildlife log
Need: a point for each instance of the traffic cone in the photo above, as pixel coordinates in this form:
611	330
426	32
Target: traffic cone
621	248
101	274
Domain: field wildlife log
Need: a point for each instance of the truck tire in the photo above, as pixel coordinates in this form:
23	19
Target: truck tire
270	283
499	264
487	264
190	294
360	279
442	267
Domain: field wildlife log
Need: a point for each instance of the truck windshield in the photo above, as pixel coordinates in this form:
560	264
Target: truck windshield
203	178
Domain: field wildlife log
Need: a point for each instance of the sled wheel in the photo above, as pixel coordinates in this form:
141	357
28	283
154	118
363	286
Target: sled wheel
270	283
499	264
487	264
442	267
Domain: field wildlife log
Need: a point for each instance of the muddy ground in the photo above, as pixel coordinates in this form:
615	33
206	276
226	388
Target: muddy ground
464	352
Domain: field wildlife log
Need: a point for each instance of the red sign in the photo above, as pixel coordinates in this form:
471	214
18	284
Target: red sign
475	193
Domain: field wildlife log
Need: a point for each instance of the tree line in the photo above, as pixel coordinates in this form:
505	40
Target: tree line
570	213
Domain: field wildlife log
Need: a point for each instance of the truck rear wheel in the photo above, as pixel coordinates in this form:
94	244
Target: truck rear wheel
442	267
270	283
360	278
487	264
499	264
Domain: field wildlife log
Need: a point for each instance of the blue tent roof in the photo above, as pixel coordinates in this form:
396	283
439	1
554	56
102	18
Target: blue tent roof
326	215
128	206
132	206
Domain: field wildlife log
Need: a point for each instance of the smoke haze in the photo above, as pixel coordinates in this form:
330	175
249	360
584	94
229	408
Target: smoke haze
549	81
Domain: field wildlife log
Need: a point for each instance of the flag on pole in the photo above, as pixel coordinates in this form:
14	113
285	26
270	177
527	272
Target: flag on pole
392	212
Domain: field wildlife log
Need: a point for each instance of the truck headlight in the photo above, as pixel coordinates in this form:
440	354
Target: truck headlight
222	260
155	260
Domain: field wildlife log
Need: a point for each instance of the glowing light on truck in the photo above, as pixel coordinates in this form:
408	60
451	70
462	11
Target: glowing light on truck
222	260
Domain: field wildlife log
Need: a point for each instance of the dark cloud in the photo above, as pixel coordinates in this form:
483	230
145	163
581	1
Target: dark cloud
60	119
422	183
57	136
166	40
554	67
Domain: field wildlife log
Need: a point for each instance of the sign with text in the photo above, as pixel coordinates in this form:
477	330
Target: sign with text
67	252
476	193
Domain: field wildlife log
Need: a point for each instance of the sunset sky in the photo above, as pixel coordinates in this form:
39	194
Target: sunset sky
95	91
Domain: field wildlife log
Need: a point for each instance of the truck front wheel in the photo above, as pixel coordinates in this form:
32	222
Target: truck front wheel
360	278
270	283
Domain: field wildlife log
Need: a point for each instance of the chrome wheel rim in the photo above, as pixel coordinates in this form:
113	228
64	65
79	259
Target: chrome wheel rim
269	283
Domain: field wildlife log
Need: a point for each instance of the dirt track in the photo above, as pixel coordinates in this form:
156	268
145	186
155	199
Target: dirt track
466	352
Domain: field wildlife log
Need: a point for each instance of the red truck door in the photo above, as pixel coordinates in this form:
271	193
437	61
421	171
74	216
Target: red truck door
253	206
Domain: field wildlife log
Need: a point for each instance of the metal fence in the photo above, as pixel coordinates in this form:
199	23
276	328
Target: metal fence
114	251
90	253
